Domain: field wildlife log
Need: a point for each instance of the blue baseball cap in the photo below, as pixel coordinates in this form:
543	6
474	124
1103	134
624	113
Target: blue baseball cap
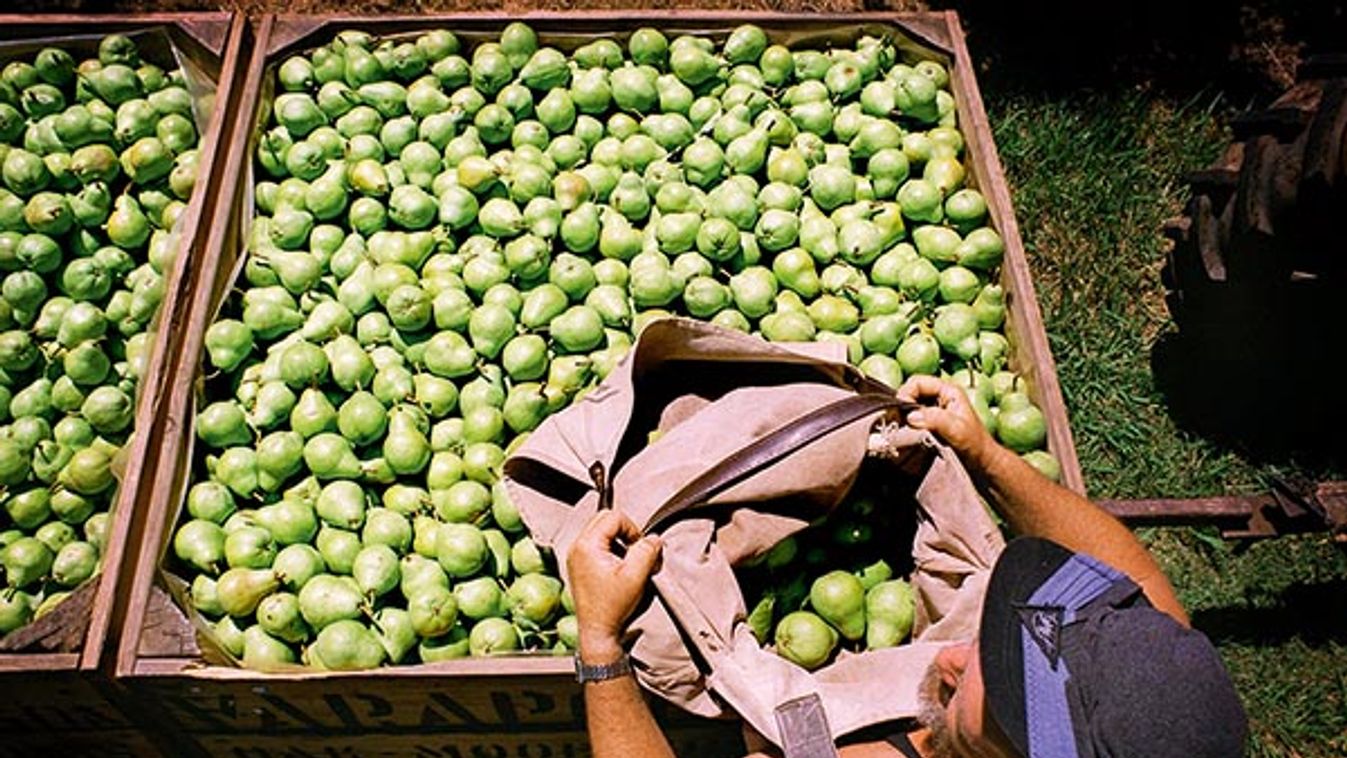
1077	664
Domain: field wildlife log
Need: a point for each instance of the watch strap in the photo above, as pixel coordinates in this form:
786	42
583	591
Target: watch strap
603	672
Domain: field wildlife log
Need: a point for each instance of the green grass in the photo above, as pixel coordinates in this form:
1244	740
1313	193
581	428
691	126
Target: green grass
1094	176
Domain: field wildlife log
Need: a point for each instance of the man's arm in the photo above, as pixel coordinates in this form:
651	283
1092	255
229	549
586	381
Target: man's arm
607	589
1030	502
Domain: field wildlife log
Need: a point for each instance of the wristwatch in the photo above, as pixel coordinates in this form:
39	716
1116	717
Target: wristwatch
585	673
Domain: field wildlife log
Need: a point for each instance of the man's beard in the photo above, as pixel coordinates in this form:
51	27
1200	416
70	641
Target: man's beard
932	715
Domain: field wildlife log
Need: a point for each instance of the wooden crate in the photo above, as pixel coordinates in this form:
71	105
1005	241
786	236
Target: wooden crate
54	662
521	705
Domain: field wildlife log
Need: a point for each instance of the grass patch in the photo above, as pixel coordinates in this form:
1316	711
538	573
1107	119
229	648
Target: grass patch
1297	696
1094	176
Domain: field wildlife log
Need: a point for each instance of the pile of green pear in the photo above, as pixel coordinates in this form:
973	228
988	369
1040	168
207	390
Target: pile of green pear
838	585
97	162
451	242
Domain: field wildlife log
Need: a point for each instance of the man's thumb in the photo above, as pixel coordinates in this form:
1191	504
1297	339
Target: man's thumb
642	555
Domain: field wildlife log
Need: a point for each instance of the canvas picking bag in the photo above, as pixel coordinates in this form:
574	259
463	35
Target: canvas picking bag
755	440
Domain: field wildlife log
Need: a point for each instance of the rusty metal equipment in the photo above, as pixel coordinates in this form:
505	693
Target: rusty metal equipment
1291	507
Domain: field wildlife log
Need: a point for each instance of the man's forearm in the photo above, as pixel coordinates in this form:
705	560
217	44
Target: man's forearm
619	719
1035	506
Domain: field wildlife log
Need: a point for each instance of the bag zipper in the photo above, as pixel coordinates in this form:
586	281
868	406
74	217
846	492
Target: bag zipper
598	475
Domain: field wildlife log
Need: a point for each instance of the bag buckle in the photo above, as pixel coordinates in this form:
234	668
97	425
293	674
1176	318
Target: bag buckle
803	726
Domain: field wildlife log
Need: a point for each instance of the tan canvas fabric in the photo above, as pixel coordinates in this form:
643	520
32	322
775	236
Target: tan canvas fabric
732	389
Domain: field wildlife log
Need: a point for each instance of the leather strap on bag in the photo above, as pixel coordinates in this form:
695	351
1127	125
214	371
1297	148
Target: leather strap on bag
771	448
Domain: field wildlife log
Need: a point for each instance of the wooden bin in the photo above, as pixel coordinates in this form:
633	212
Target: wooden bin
50	669
521	705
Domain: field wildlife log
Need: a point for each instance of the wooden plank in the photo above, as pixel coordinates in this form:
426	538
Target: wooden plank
492	706
1176	509
293	31
166	628
530	665
62	630
51	705
160	505
55	704
129	515
1237	517
232	712
113	743
103	23
708	742
410	714
38	662
1286	510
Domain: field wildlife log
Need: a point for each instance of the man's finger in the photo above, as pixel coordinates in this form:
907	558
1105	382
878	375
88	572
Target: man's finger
641	557
602	529
627	528
936	420
920	386
952	395
607	526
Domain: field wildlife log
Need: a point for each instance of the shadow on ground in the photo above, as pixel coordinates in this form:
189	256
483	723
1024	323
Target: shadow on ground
1246	49
1312	613
1258	368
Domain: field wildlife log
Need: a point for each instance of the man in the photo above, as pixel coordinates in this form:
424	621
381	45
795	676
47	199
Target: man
1083	648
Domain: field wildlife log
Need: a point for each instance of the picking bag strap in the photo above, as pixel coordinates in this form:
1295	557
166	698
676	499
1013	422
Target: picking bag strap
771	448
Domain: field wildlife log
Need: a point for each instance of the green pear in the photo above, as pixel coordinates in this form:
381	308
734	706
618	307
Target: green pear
839	599
240	590
890	609
805	639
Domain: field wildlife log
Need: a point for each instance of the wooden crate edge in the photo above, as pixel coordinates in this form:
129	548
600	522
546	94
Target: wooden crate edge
158	506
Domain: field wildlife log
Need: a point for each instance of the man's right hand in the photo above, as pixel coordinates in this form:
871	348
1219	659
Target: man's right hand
948	414
607	588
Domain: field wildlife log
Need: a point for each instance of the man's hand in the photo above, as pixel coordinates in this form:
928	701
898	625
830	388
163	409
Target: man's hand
949	415
607	588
